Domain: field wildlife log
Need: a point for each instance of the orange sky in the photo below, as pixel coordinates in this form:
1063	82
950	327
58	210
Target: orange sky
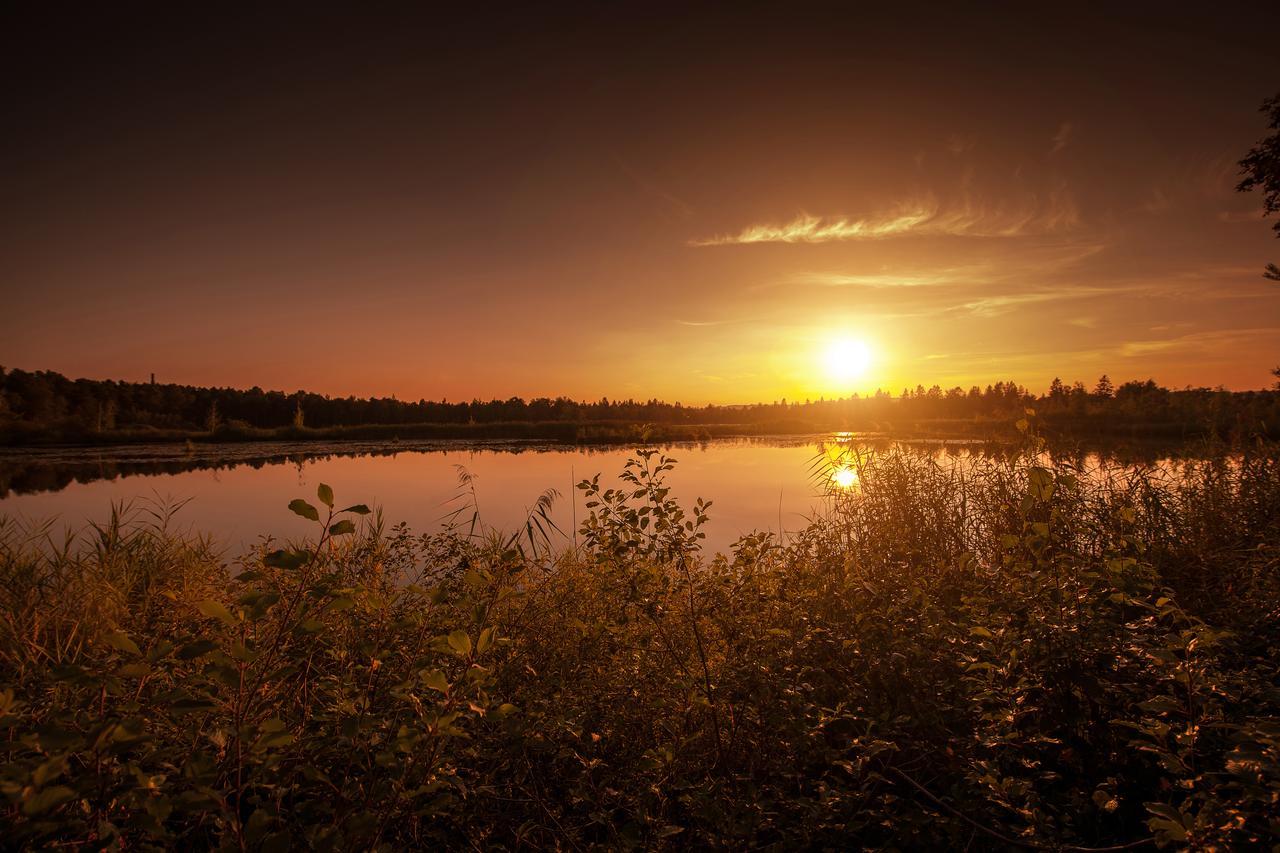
638	202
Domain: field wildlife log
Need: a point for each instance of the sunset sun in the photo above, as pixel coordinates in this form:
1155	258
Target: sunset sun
846	359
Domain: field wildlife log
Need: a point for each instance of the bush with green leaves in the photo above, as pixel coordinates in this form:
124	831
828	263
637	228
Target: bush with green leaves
1014	653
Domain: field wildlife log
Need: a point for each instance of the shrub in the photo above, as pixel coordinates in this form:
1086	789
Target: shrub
1017	652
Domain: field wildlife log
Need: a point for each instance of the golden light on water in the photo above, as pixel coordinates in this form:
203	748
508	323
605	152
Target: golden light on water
845	477
846	359
843	462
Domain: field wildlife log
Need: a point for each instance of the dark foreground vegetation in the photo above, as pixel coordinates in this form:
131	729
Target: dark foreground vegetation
45	407
1011	654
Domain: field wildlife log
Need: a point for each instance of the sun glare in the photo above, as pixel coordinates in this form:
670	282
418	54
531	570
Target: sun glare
846	359
845	477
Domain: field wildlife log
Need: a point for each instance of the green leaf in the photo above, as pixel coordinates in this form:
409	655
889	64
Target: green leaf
304	509
120	640
436	681
49	770
342	527
133	670
341	603
215	610
358	509
197	649
1040	481
325	494
1161	705
49	798
192	705
1165	811
54	738
276	741
460	643
285	559
980	632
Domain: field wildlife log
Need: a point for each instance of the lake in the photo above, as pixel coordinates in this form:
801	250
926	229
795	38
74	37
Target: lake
239	492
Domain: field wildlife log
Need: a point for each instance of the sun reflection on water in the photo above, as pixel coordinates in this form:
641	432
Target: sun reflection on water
841	460
845	477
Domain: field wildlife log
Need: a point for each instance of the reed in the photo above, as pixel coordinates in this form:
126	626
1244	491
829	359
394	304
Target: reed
1017	652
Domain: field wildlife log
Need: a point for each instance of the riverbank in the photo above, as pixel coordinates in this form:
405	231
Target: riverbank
609	432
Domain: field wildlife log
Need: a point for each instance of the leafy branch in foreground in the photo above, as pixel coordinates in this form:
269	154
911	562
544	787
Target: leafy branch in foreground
1260	170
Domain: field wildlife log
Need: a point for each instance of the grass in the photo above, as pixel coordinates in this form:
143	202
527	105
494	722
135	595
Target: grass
1012	654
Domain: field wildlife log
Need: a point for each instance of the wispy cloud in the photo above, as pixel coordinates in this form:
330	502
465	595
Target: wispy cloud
1240	216
1158	201
1043	262
1062	137
682	207
995	306
960	143
816	229
1052	212
887	280
1212	341
701	323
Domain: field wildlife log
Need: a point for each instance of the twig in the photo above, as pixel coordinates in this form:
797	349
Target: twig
1032	845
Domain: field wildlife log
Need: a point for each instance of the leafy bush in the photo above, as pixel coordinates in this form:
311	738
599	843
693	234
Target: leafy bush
1014	653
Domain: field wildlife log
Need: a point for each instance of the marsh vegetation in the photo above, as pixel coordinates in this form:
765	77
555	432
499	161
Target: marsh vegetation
1015	653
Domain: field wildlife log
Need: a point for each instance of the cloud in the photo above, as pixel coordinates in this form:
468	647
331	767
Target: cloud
995	306
960	143
816	229
679	205
1044	262
701	323
1052	212
1158	201
1061	138
1241	216
1213	341
885	280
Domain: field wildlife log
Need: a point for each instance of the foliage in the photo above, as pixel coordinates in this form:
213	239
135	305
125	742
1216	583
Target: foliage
43	407
1017	653
1260	170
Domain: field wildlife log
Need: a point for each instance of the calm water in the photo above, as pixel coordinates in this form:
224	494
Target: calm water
240	492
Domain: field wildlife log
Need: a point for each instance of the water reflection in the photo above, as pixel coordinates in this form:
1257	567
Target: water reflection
240	491
845	477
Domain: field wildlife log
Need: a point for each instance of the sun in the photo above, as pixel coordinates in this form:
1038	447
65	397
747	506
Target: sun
846	359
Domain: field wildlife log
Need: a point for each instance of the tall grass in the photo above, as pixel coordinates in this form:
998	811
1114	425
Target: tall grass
1017	652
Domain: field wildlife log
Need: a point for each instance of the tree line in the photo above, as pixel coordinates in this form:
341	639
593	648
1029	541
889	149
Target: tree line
46	402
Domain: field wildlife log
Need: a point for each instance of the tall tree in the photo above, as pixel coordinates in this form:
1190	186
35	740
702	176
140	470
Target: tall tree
1104	388
1261	170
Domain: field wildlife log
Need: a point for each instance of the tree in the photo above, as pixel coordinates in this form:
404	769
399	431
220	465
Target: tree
1261	170
1104	388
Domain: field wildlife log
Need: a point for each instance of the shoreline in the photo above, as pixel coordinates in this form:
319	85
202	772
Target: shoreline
607	432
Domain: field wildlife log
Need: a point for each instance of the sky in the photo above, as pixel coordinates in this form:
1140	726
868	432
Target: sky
631	200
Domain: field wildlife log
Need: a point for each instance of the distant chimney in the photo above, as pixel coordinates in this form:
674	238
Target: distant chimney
153	379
